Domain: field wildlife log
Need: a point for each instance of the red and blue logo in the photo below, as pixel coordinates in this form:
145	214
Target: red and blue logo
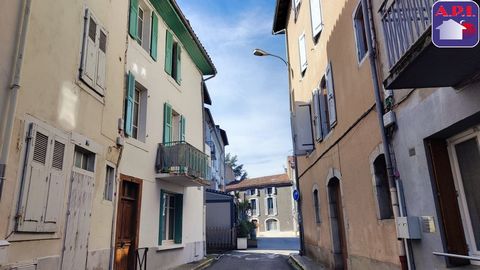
455	24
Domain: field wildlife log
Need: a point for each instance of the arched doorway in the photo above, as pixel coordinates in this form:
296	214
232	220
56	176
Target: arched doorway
337	224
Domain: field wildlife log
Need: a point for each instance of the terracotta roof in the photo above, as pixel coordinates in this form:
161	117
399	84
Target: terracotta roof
277	180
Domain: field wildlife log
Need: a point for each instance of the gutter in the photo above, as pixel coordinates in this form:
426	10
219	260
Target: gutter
15	87
393	182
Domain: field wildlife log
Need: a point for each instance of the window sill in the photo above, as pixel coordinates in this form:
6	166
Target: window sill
138	144
170	247
144	52
26	236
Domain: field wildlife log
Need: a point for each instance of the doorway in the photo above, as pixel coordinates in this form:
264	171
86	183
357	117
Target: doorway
337	223
128	217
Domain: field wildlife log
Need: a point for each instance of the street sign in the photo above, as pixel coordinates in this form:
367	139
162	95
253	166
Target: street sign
296	195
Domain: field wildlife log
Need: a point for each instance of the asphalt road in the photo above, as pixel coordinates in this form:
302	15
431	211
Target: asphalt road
272	253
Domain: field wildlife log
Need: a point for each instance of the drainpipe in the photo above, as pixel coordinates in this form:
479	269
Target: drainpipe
14	88
404	253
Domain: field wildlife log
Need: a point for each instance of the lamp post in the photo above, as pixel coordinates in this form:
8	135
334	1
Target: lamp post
260	52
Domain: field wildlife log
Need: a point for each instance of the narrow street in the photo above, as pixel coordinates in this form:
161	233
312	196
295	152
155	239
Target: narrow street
272	253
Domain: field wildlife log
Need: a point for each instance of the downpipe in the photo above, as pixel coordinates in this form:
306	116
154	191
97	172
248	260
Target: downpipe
404	253
14	88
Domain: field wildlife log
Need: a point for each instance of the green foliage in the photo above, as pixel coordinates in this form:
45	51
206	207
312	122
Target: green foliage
238	171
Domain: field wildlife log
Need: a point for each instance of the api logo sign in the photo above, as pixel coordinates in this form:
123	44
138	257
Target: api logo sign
455	24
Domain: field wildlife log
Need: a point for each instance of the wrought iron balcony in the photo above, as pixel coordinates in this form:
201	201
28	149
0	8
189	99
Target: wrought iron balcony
182	164
413	59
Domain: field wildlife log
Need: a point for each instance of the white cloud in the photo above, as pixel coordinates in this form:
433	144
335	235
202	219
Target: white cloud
249	94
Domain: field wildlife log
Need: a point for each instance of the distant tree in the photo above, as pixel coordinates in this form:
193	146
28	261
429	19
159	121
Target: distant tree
238	171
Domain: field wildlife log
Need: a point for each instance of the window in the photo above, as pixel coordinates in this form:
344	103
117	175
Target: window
143	26
254	207
316	205
94	50
271	206
171	216
252	192
109	183
174	125
303	53
84	159
302	123
272	224
316	16
382	189
173	61
360	35
135	109
324	107
44	181
271	191
296	7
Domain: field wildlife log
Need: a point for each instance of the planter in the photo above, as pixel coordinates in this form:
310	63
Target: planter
252	243
241	243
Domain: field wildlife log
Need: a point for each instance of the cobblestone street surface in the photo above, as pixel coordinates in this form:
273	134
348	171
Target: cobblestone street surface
272	253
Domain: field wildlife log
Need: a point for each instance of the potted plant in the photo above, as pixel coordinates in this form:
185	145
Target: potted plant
242	234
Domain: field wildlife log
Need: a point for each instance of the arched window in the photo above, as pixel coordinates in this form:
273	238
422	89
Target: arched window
272	225
382	189
316	205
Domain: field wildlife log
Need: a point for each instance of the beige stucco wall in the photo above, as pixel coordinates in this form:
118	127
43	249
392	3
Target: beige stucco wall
371	243
52	93
139	157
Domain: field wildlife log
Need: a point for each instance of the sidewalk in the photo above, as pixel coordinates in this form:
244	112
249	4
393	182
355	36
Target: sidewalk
198	265
304	263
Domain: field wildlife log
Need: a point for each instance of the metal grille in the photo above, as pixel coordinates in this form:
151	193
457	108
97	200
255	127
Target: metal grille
404	22
40	148
58	152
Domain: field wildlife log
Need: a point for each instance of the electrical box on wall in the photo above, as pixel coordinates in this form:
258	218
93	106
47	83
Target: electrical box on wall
389	119
3	251
408	228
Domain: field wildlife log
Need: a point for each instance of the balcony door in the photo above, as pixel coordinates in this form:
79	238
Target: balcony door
464	151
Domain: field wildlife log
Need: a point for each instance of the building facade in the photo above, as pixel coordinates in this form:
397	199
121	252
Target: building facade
215	142
345	197
59	126
164	168
270	199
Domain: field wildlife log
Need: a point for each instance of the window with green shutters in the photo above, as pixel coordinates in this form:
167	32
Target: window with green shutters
135	109
167	123
129	103
171	218
143	26
173	59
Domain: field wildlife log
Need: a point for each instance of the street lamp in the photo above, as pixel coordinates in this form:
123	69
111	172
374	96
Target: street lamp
260	52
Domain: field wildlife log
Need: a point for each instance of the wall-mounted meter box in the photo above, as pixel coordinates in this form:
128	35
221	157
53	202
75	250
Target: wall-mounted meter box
408	228
3	251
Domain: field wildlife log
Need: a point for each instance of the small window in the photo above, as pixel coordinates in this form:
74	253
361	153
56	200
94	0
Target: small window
84	159
169	218
140	25
254	207
139	113
270	207
271	191
382	189
316	206
360	34
302	49
272	224
296	7
173	61
109	183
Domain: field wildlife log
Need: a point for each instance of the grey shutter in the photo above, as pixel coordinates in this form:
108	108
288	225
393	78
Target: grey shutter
102	60
90	53
331	96
302	123
303	53
316	15
317	121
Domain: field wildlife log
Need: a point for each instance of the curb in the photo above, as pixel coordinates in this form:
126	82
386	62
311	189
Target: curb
204	264
295	263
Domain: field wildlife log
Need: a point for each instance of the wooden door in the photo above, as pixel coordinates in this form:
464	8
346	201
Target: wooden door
78	220
128	214
337	225
341	225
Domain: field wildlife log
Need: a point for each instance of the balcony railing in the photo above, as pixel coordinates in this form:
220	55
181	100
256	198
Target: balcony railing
404	22
181	158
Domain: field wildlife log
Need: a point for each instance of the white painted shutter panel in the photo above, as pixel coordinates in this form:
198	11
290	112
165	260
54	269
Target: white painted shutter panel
257	203
303	53
266	206
331	96
56	186
90	51
302	129
102	58
317	122
275	209
316	15
34	188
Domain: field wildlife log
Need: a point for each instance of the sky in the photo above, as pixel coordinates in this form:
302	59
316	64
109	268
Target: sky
249	94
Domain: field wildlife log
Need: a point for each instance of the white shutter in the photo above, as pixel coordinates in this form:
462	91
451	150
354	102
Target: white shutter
266	206
316	15
257	203
274	190
56	185
34	187
331	96
302	124
317	122
303	53
90	53
102	51
275	210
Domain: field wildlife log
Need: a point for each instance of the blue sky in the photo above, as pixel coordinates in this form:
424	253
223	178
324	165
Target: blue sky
249	94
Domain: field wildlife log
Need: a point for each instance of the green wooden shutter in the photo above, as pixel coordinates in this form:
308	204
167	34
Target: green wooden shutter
168	53
167	123
182	128
154	39
161	229
179	64
129	104
178	218
132	28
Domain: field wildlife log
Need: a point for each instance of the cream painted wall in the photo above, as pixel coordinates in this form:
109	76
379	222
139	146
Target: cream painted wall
52	93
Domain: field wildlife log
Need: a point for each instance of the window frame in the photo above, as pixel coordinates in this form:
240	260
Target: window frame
316	206
109	187
360	35
166	221
277	224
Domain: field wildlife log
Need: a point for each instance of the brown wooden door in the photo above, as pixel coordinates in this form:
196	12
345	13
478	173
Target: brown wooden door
127	224
338	225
